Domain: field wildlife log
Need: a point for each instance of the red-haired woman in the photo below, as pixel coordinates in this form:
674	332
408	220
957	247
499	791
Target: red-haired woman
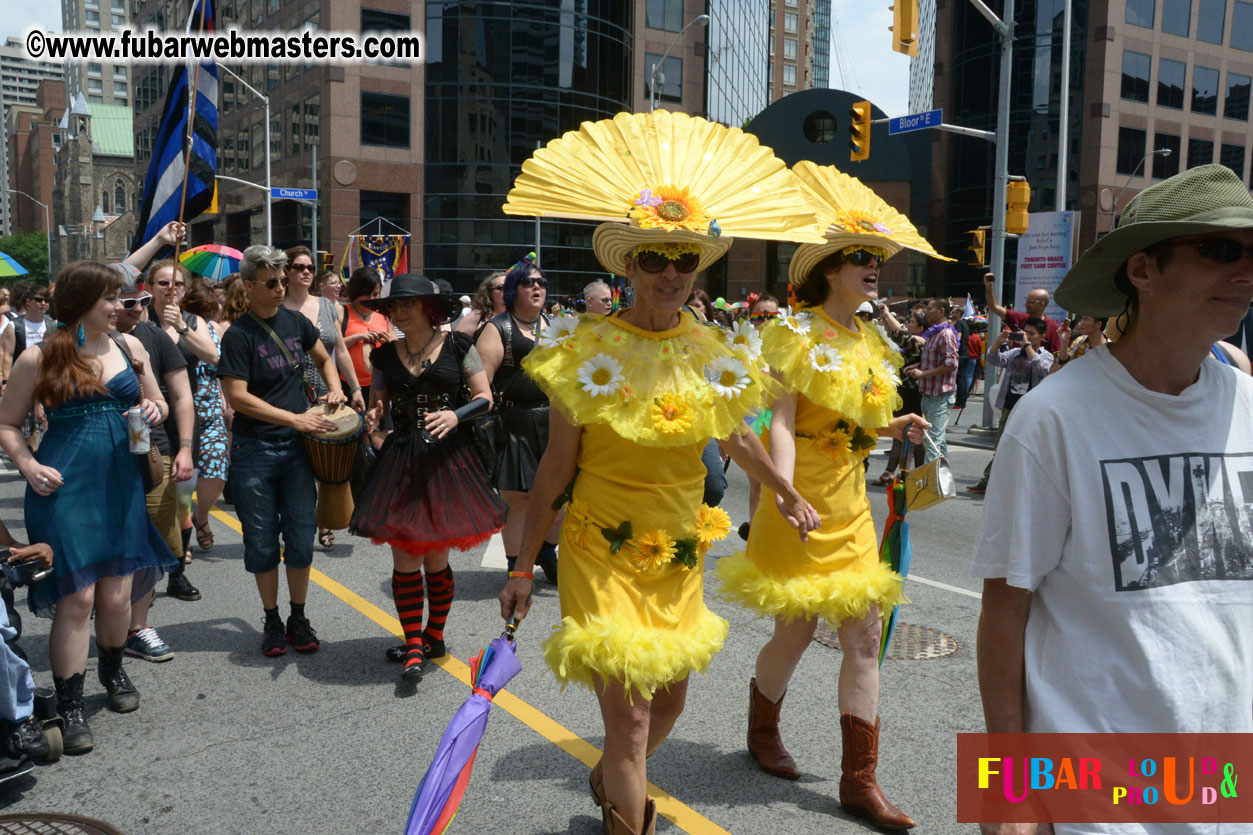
85	496
428	492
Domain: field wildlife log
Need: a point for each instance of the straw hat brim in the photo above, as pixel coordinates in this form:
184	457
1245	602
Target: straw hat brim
809	256
1088	288
613	243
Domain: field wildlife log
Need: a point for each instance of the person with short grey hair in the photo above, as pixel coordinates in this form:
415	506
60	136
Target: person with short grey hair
599	298
261	257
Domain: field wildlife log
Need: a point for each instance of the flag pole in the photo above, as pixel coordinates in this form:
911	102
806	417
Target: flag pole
191	127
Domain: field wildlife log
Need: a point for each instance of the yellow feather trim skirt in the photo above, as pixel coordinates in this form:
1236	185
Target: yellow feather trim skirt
835	596
643	659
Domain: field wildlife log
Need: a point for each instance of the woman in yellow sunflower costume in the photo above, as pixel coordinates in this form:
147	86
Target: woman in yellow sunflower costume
635	398
840	377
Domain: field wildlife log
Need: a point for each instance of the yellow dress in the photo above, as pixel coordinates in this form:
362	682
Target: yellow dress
635	532
845	385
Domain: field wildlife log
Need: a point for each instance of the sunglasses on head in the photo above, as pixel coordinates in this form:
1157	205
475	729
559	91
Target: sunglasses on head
861	257
270	284
142	301
1218	250
654	262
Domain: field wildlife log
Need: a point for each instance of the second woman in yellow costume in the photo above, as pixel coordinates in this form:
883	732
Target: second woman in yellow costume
841	376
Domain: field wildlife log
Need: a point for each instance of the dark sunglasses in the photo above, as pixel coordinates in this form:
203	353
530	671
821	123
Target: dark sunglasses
301	268
271	283
1218	250
142	301
861	257
39	299
655	262
532	281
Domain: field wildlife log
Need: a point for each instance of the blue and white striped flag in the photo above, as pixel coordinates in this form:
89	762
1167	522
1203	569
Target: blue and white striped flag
171	158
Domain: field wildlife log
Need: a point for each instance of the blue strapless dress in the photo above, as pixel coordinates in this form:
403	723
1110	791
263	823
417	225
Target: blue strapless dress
97	521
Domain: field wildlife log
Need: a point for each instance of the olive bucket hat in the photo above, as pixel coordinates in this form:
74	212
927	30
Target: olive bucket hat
1200	201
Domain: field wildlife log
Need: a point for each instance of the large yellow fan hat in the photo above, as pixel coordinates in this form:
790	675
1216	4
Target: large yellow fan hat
668	180
861	218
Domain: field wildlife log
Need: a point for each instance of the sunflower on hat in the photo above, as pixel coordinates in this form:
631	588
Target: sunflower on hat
861	219
667	179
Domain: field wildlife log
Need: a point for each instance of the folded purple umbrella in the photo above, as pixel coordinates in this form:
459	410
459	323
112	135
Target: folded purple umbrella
444	784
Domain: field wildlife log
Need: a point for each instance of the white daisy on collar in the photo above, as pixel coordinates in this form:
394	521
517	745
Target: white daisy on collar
727	376
600	375
825	358
559	329
797	323
744	339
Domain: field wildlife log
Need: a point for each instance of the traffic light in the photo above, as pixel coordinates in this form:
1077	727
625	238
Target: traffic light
904	27
977	241
859	131
1017	198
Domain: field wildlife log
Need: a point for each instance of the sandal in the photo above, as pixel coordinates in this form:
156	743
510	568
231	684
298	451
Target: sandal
326	538
204	534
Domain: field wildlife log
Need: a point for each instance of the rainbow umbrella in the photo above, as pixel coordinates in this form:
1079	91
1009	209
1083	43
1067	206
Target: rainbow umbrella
212	260
444	784
894	549
10	268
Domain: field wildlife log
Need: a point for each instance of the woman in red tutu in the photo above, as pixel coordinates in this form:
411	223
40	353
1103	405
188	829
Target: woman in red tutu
428	492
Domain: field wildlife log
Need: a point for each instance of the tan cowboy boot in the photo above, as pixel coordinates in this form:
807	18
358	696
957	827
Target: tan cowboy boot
859	791
615	825
764	742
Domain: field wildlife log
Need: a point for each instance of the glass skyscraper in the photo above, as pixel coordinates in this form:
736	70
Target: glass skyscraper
739	43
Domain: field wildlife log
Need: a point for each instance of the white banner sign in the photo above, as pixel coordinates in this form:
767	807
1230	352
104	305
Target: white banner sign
1045	254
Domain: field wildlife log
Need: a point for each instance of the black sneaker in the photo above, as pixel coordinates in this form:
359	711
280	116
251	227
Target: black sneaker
25	739
301	635
978	489
180	587
273	641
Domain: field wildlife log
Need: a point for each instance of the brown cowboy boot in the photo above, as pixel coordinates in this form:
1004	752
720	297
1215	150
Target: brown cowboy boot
615	825
596	782
859	791
764	742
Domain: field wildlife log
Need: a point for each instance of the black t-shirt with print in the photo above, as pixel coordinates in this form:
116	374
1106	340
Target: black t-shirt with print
250	354
164	357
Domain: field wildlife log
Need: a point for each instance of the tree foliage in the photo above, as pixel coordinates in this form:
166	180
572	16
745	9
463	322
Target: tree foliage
30	249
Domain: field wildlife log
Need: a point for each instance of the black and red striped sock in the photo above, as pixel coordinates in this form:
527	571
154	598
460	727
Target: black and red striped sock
407	588
439	588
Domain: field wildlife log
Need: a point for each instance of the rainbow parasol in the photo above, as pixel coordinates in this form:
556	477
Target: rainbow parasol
9	268
212	261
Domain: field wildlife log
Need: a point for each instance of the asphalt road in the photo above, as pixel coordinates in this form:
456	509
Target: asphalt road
228	741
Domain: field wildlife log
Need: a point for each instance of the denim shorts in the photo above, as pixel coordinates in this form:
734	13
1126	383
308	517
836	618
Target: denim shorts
274	492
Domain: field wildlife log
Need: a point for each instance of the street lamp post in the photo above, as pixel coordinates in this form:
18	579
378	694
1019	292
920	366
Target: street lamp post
47	226
655	75
1159	152
265	100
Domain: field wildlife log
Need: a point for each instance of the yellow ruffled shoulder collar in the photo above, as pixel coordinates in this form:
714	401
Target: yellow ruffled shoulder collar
663	388
853	373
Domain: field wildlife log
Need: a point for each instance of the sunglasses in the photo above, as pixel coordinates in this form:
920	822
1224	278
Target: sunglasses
1218	250
301	268
532	281
761	317
39	299
655	262
498	288
861	257
140	301
271	283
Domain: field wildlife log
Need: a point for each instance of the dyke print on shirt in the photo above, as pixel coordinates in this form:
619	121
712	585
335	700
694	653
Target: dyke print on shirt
1179	518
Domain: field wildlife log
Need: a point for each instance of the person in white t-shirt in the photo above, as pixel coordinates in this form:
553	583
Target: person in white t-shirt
1115	544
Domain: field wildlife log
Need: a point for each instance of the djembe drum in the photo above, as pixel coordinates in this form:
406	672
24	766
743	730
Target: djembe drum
332	456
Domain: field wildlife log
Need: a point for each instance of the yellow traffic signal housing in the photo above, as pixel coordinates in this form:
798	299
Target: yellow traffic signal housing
904	27
859	131
978	240
1017	199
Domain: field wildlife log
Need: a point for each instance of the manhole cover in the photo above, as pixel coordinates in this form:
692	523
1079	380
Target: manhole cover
909	642
53	825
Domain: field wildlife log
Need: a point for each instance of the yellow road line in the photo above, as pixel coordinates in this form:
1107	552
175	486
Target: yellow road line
670	807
